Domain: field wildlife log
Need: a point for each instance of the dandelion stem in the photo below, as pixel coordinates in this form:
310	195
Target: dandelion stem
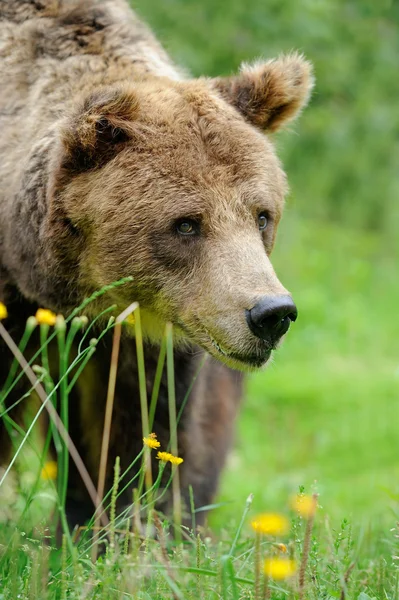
240	526
173	430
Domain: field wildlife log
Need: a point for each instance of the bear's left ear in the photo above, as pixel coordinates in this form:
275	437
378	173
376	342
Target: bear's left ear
269	94
99	128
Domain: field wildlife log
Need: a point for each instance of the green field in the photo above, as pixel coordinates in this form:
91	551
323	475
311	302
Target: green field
325	414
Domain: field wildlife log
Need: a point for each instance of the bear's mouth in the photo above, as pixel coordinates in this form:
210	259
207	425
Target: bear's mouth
254	360
235	360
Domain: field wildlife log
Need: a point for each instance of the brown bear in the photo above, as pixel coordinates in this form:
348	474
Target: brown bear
114	163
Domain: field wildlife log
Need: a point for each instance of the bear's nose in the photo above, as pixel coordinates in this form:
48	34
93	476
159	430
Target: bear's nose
270	318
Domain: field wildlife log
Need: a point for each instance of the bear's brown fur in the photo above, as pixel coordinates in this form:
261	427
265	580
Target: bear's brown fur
105	146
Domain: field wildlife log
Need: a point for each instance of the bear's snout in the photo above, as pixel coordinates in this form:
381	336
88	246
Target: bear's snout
271	317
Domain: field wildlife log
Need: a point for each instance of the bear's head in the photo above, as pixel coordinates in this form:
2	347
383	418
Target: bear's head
175	184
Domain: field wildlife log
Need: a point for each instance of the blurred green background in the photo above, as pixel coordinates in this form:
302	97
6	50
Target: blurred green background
326	414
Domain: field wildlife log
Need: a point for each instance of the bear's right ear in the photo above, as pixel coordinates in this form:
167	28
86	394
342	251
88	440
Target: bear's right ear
99	128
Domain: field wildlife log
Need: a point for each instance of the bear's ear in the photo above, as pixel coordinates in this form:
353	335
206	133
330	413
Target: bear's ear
99	128
269	94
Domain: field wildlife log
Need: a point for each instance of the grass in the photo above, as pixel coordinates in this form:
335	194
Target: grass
324	415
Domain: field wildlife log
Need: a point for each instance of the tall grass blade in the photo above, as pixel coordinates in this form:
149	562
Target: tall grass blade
113	505
97	294
143	396
177	510
157	383
106	432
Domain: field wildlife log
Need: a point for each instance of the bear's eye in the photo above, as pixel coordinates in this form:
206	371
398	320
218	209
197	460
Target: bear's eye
262	220
187	227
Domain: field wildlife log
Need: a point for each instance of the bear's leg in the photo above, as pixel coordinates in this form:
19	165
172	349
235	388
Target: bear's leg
208	434
204	432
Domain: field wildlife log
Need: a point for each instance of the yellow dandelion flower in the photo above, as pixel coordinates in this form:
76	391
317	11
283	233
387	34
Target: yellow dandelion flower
164	456
3	311
45	317
151	441
49	470
168	457
270	524
175	460
304	505
280	568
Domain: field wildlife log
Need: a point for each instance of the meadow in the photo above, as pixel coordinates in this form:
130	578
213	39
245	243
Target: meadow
324	416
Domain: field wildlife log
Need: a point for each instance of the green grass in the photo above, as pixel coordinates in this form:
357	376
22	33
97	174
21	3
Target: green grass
325	414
